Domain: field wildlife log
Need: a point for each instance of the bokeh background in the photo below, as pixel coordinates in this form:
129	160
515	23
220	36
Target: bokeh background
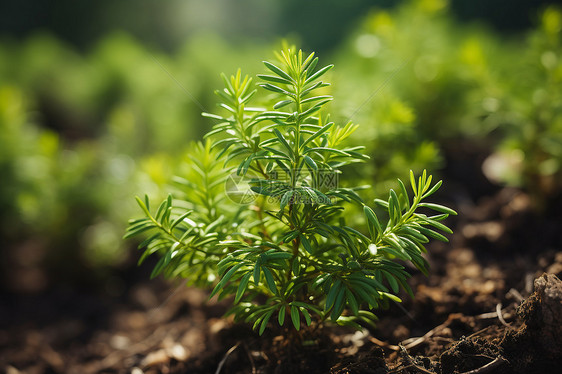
100	101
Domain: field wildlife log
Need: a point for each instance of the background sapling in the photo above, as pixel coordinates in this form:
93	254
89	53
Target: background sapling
285	251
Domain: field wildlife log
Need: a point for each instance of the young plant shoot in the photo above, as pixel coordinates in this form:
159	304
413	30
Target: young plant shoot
260	215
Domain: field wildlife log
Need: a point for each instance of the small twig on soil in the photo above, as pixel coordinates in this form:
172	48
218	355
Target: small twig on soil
419	340
478	332
493	314
412	342
383	344
228	353
498	361
500	316
411	365
444	339
487	315
407	356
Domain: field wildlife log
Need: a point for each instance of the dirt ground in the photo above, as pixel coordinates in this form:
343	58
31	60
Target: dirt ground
477	312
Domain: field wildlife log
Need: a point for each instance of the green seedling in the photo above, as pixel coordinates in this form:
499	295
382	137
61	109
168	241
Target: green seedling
260	215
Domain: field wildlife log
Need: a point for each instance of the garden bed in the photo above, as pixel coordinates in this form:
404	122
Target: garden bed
466	316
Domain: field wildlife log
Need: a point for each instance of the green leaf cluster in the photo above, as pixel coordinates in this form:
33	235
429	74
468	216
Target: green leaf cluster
288	256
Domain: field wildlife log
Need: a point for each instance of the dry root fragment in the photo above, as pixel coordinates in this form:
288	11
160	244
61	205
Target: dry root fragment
498	361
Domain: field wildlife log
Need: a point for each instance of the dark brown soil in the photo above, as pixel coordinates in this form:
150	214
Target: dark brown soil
469	316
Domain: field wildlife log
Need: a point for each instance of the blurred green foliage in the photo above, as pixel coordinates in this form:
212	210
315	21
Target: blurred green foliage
70	197
167	24
529	153
429	82
81	132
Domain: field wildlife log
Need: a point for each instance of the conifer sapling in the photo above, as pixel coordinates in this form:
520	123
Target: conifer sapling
277	238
